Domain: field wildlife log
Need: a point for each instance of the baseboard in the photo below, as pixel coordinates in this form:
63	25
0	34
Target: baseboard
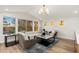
65	39
76	48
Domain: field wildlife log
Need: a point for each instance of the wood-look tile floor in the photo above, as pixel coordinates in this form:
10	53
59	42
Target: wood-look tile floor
63	46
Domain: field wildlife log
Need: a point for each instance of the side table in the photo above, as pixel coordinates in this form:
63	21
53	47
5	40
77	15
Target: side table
10	43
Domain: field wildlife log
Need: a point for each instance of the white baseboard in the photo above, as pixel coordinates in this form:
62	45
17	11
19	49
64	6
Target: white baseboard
65	38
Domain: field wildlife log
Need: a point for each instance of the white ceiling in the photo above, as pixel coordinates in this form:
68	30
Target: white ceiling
54	10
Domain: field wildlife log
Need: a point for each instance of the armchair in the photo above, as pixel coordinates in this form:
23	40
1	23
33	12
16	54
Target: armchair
25	42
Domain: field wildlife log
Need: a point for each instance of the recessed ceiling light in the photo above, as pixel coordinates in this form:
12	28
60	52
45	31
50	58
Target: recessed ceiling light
6	9
75	11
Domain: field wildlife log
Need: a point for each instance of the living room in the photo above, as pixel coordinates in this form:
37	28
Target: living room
31	20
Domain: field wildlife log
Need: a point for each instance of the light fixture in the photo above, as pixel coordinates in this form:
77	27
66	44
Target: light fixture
44	10
75	11
6	9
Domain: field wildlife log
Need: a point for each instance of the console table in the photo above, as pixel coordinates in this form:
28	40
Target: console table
10	43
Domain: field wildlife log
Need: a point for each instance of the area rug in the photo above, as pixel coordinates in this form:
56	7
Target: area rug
39	48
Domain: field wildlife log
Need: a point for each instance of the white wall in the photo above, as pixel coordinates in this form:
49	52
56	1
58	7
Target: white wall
1	30
18	16
71	25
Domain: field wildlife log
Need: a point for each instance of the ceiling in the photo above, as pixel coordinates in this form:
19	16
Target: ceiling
54	10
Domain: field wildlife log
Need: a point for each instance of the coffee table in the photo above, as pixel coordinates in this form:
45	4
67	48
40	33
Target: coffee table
10	43
46	40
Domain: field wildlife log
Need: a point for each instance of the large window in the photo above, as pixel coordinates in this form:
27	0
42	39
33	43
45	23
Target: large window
36	26
29	25
22	25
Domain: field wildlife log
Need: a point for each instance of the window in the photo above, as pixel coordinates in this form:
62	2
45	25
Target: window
36	26
22	25
29	25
